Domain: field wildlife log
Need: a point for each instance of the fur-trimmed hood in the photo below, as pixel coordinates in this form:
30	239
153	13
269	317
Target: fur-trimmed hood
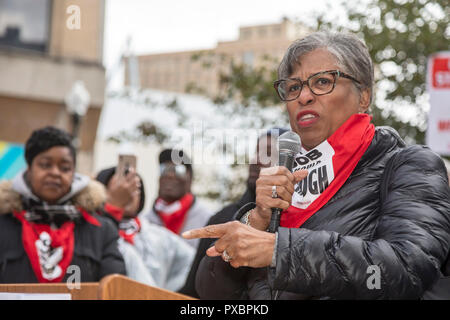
90	196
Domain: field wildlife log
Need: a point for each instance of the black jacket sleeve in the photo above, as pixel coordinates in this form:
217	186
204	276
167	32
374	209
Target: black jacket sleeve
215	278
111	260
409	246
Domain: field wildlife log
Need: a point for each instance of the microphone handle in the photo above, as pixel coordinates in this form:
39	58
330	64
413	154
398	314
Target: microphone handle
285	159
275	220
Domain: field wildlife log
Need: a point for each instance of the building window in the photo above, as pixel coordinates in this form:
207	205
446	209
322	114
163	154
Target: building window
248	58
246	34
277	30
262	32
25	24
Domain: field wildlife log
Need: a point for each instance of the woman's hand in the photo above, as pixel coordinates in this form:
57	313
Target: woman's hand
249	246
284	181
121	188
246	246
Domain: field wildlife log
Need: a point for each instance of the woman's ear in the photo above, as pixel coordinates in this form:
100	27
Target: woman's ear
364	100
26	176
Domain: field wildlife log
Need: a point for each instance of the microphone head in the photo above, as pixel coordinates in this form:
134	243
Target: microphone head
289	142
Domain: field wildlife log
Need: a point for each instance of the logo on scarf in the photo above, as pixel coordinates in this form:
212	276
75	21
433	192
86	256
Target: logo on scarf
319	163
48	257
129	227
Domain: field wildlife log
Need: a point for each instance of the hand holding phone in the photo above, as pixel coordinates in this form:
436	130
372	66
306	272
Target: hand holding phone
124	183
126	161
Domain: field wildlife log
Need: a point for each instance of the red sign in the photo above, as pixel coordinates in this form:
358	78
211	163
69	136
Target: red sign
438	86
444	125
441	73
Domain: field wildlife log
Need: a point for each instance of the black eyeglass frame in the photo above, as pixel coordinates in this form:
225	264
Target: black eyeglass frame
336	74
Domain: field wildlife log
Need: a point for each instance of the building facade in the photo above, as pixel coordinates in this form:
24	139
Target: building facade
45	47
179	71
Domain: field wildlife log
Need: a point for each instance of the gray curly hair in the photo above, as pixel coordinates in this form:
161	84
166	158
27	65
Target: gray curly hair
351	54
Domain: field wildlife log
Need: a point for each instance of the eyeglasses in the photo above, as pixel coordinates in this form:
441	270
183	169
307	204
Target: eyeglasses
179	169
319	83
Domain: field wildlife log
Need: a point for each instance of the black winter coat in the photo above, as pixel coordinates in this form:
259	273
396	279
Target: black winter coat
393	212
95	250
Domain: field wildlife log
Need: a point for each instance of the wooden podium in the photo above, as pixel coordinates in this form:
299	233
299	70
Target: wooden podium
112	287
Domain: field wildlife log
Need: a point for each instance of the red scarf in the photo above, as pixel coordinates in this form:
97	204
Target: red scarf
129	229
174	214
329	165
115	212
50	251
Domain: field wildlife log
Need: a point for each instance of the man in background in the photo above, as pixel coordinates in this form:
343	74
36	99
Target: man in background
176	208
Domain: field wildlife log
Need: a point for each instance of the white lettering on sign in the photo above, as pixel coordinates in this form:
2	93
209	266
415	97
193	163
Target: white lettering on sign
319	163
442	78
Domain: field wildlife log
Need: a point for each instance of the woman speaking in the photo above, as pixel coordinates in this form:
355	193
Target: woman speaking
365	216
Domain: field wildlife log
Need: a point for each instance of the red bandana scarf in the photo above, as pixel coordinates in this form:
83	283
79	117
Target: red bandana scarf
173	215
129	229
329	165
49	250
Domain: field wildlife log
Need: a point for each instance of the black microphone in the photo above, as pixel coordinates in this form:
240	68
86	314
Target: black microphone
288	147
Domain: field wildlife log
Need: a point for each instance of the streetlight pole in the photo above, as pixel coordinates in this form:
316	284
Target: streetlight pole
77	103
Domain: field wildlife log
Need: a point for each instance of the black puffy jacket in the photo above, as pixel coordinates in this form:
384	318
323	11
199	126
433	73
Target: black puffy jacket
393	213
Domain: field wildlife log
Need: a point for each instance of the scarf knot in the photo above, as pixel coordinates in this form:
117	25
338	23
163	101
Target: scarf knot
44	213
174	214
128	228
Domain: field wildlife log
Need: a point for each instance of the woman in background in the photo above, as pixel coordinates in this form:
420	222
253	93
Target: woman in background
153	255
48	220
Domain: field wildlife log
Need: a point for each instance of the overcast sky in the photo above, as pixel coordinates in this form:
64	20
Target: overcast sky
176	25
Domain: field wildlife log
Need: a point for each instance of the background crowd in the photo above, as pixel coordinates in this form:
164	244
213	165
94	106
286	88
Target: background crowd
103	228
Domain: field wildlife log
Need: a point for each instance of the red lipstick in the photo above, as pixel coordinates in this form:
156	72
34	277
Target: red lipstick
307	118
